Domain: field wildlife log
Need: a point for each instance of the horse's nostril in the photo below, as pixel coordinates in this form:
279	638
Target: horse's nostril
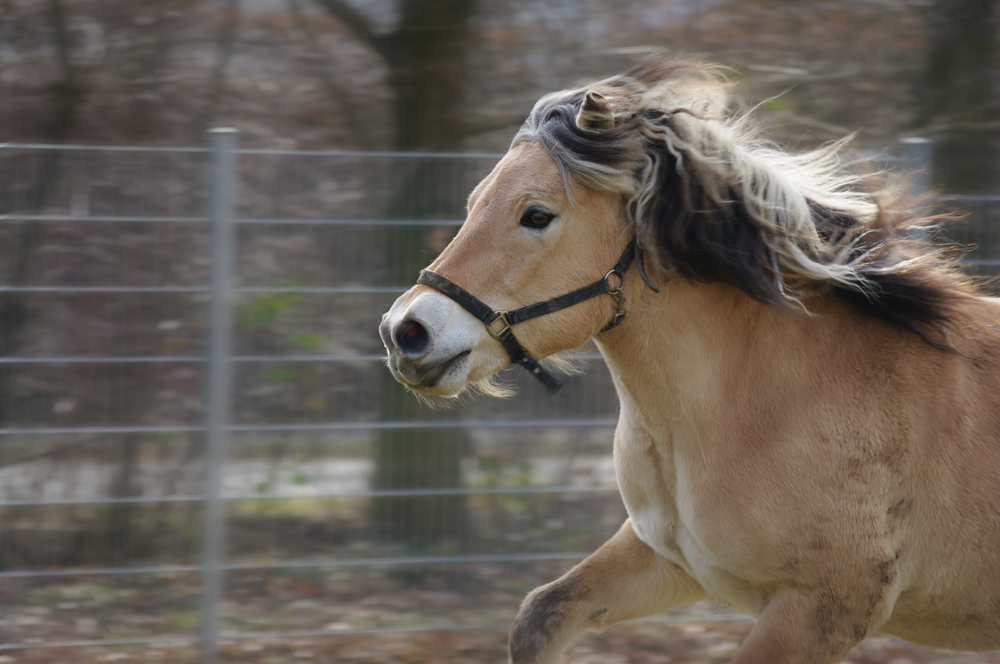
411	337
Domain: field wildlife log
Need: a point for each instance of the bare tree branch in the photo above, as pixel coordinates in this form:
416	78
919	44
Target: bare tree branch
338	93
361	26
227	35
70	91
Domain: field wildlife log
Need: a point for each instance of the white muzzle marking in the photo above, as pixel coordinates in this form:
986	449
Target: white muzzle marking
434	345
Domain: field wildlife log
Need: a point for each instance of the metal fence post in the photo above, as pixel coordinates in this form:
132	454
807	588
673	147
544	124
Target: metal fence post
223	144
918	155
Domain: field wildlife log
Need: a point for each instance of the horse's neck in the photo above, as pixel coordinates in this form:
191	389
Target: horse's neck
683	349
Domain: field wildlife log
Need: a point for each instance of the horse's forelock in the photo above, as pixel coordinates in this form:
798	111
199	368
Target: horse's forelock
602	160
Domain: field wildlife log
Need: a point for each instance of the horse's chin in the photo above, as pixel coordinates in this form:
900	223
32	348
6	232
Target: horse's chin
436	400
448	389
463	378
445	380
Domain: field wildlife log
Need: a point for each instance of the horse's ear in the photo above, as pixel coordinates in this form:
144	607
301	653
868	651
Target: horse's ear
595	113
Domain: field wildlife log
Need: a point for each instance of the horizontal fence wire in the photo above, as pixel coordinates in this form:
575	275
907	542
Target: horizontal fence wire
417	223
304	564
322	426
384	154
388	493
157	359
110	359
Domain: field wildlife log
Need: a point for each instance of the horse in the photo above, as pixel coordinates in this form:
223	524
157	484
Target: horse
808	384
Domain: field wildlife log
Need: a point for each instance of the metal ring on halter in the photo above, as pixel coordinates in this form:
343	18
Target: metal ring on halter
620	275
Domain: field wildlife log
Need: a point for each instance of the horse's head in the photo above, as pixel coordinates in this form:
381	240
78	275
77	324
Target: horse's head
552	219
653	160
530	235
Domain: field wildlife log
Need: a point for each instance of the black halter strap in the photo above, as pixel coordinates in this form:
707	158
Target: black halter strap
499	323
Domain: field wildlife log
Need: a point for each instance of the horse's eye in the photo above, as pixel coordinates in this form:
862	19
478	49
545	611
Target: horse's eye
535	218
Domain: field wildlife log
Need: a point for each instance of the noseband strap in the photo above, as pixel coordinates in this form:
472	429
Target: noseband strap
499	323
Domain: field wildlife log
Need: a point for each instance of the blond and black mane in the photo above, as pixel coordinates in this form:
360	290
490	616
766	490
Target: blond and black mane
709	200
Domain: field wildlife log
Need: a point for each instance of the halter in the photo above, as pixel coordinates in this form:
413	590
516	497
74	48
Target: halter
499	323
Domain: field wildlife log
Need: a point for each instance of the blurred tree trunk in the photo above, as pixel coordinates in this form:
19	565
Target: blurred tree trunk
223	53
74	55
66	97
425	55
957	96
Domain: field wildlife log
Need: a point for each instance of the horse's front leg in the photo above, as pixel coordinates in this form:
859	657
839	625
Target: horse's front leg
623	580
817	625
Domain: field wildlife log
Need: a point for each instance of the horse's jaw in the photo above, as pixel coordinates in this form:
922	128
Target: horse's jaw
453	351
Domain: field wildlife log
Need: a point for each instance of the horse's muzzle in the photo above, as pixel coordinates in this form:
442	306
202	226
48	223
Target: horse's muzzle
430	340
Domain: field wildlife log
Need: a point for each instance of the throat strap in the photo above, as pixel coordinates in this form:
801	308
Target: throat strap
499	323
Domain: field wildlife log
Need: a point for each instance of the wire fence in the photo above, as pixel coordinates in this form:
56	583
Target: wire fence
198	440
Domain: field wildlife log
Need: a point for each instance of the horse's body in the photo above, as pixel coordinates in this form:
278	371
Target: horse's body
834	473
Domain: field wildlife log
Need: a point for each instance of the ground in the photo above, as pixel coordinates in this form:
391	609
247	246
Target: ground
387	616
642	643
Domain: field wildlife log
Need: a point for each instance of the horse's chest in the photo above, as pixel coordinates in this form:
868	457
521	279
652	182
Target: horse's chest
647	481
657	492
690	517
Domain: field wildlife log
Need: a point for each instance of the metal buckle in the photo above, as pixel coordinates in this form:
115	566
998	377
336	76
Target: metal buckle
620	300
496	334
617	295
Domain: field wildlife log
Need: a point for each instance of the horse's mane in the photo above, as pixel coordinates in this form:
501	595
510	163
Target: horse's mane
710	200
